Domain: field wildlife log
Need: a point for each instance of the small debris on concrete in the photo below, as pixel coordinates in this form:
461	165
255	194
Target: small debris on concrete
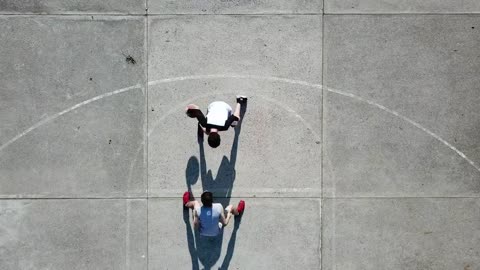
130	60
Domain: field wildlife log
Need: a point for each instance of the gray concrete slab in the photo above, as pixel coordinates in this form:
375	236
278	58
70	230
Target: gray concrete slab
399	119
411	126
406	6
283	46
252	160
415	233
73	7
272	234
278	107
234	7
64	130
73	234
372	153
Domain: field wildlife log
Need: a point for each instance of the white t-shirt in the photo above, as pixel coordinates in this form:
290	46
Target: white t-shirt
218	113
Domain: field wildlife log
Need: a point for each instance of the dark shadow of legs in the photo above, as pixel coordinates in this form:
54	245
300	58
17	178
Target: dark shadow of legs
208	249
191	176
192	172
231	245
191	241
205	249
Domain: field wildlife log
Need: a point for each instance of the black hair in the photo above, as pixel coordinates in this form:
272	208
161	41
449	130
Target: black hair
214	139
207	198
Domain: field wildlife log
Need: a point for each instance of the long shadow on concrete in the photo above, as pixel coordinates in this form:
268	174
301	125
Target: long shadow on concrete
207	250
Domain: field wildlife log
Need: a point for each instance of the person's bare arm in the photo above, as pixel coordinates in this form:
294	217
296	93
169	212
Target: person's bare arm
237	111
193	111
196	221
226	220
192	107
223	220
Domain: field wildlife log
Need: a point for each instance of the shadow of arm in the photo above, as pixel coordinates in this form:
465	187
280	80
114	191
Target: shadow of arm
191	241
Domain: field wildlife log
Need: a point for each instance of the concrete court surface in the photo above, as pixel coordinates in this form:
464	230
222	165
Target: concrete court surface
359	148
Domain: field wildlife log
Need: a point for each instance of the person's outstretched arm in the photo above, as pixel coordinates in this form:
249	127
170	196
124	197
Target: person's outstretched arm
196	221
226	220
237	111
193	110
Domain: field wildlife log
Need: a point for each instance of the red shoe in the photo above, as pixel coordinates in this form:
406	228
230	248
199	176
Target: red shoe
186	197
241	207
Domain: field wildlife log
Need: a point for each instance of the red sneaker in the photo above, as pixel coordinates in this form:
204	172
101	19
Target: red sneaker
241	207
186	197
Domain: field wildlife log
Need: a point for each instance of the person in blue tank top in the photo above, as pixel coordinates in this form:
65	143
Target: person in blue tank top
209	217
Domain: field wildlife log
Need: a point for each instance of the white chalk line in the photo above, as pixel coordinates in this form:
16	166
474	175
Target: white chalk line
179	106
319	86
55	116
237	76
182	104
417	125
234	76
290	110
175	109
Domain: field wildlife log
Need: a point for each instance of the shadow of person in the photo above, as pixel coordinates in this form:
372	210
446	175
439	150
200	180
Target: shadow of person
191	240
192	172
191	175
207	250
231	244
222	185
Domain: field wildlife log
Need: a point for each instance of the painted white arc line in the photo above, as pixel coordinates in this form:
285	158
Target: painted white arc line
290	110
319	86
410	121
55	116
236	76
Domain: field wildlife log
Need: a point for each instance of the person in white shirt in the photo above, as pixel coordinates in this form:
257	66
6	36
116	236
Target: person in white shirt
219	118
209	217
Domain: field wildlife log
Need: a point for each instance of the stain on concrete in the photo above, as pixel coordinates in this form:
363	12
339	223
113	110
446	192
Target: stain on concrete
130	60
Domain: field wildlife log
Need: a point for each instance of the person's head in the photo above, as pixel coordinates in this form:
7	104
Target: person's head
214	139
207	198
